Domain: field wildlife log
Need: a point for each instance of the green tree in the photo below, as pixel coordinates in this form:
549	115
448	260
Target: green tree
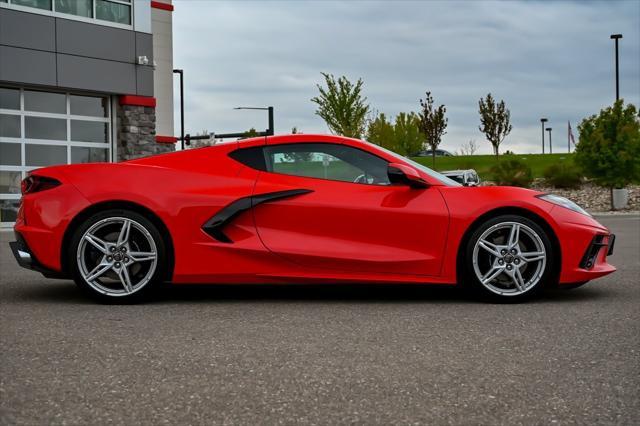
608	150
432	123
495	121
407	135
380	132
251	133
342	106
402	136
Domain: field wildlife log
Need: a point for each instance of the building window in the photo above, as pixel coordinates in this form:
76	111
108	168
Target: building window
89	105
112	11
10	182
109	11
40	129
9	125
75	7
89	131
88	155
40	4
45	102
44	155
8	211
10	154
9	98
45	128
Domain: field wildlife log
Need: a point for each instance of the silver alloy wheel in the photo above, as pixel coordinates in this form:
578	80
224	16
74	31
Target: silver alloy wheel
117	256
509	258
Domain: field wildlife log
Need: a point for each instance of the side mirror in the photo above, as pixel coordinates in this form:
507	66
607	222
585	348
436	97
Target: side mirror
405	175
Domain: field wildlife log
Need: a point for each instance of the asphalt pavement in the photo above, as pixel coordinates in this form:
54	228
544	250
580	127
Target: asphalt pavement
322	354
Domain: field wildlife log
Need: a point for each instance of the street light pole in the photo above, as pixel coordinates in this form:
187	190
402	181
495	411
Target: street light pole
542	121
617	37
270	130
550	143
181	107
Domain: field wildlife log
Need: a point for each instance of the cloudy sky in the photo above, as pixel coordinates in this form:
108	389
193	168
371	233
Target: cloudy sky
544	58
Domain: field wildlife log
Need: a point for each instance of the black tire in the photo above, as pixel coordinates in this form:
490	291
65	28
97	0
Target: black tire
470	278
153	279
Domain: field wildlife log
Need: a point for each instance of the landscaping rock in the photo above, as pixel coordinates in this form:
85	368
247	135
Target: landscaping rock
593	198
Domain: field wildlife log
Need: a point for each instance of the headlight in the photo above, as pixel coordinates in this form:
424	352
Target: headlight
563	202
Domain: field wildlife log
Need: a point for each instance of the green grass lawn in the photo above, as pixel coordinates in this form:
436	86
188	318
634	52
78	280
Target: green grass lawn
483	163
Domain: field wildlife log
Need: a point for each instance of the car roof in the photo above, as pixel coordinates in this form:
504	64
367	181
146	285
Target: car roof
296	138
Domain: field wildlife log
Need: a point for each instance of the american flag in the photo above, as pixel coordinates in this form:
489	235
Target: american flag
570	134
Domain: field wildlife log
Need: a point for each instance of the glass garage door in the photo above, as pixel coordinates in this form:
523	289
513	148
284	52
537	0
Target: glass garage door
40	129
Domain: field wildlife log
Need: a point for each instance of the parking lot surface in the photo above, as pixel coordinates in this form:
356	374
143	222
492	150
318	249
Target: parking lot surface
322	354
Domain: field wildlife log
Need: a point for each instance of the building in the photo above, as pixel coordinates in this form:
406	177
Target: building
82	81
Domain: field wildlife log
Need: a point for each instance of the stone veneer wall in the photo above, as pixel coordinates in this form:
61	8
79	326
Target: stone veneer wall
137	133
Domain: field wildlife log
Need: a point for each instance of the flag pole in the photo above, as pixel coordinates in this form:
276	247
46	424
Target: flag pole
568	137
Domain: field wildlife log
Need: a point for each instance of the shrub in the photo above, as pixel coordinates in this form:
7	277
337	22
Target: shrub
512	172
563	175
609	146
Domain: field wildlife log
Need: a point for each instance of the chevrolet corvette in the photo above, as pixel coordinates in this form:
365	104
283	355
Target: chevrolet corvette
297	209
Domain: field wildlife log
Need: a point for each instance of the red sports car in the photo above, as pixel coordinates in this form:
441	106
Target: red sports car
297	209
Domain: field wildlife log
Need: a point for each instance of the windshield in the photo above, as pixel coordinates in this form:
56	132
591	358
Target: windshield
442	178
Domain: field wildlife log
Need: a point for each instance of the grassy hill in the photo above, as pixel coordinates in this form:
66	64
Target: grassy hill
483	163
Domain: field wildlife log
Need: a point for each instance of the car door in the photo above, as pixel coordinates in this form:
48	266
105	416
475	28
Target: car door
343	214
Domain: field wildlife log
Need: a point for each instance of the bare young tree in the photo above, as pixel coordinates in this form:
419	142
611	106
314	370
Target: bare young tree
494	121
342	106
469	148
433	123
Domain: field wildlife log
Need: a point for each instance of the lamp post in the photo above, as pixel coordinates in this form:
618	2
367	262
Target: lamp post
270	130
616	37
181	107
550	143
542	121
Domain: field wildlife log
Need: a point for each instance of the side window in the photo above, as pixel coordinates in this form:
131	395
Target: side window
327	161
251	157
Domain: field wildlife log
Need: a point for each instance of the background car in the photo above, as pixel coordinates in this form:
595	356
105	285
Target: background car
465	177
439	153
297	208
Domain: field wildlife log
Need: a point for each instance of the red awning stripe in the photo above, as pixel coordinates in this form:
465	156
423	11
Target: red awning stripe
147	101
166	139
163	6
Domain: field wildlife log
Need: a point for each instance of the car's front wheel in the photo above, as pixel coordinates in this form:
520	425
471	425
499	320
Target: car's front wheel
117	256
508	258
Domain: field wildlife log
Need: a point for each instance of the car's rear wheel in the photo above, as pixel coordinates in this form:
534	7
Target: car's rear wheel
117	256
508	258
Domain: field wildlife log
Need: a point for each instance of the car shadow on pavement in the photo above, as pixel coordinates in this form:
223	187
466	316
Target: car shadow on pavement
67	293
58	291
349	293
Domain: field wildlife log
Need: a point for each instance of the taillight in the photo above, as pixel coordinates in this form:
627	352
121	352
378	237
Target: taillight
35	183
